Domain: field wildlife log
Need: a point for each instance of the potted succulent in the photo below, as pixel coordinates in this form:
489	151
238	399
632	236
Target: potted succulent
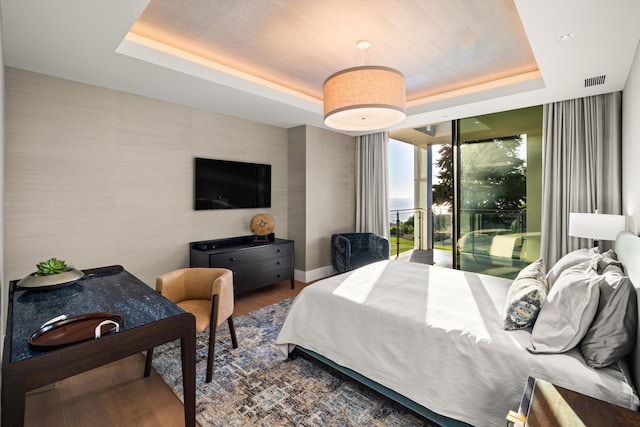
50	274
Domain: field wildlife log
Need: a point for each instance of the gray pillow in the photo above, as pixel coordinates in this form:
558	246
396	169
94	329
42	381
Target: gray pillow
608	262
569	260
568	311
526	295
612	334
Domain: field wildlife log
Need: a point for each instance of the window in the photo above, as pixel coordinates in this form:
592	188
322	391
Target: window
479	182
500	191
401	197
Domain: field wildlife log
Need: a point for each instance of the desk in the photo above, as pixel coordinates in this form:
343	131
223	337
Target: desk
149	320
548	405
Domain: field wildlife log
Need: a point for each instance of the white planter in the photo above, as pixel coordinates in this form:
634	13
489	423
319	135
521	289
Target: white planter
51	281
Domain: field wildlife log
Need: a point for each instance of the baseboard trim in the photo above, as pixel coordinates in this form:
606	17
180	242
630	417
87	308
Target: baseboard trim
312	275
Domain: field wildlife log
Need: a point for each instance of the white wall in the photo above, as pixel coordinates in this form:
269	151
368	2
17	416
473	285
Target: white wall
100	177
631	146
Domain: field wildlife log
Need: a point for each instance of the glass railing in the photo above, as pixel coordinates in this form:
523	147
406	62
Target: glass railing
492	241
409	230
405	230
496	242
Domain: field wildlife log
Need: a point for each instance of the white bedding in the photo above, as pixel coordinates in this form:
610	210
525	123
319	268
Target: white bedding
435	336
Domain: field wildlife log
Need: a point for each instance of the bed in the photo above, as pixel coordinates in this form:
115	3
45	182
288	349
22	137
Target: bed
433	339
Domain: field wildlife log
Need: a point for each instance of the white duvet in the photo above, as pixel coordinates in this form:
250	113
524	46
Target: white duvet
435	336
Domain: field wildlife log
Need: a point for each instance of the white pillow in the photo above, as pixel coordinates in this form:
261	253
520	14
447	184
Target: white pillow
565	317
569	260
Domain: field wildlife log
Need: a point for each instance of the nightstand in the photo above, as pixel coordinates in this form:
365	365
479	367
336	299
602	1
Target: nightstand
547	405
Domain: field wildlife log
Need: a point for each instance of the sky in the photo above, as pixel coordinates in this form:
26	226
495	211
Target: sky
400	169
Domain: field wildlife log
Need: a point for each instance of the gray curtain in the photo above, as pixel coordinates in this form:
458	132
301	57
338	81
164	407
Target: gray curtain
581	167
372	184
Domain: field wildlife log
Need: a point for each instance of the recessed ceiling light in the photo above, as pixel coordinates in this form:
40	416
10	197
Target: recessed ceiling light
565	37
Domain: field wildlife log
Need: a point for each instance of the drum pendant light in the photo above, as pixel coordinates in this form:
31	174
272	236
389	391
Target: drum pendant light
364	98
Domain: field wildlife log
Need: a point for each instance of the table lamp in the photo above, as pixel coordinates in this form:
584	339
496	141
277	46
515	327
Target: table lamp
595	226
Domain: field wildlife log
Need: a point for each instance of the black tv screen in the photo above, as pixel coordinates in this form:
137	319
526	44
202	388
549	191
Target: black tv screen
224	184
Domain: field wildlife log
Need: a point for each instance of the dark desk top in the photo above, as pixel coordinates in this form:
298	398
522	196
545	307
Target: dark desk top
103	289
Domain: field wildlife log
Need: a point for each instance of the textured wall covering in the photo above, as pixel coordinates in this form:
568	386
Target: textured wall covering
3	283
330	188
321	195
297	194
99	177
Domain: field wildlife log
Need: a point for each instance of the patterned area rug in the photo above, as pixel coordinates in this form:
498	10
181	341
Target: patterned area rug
251	387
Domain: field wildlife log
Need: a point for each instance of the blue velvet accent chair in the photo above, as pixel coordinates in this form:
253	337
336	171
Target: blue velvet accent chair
352	250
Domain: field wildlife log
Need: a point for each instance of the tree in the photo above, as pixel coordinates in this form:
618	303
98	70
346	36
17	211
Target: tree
408	225
443	191
492	176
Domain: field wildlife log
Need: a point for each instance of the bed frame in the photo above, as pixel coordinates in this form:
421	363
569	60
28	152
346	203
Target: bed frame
409	404
628	250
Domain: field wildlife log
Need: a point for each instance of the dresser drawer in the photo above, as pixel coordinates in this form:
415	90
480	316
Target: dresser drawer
229	259
243	281
261	266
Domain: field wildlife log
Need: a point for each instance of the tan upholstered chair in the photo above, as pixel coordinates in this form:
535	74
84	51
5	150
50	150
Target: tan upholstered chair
207	293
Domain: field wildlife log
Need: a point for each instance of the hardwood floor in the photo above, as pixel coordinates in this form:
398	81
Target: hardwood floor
118	395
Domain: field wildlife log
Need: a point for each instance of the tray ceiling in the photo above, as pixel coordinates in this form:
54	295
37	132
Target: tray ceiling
440	46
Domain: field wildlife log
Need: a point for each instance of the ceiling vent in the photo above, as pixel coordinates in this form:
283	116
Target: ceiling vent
594	81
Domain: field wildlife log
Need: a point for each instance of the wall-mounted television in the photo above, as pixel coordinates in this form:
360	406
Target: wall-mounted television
224	184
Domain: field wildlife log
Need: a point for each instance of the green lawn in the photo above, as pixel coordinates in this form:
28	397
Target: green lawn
442	247
405	245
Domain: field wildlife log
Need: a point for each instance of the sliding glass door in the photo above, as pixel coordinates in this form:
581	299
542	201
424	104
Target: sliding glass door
478	188
500	191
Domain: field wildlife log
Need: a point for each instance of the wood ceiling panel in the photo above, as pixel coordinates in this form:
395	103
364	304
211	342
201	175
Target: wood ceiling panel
439	45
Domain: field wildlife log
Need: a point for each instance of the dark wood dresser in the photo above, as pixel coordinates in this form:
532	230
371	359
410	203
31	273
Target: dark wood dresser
254	263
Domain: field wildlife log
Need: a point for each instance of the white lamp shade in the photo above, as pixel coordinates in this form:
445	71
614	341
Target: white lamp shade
596	226
364	98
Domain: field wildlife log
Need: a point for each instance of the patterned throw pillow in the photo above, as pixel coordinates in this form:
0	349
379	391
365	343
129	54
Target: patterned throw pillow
526	295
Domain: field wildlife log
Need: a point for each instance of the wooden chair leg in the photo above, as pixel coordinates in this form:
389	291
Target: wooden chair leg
147	363
232	331
212	337
211	354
